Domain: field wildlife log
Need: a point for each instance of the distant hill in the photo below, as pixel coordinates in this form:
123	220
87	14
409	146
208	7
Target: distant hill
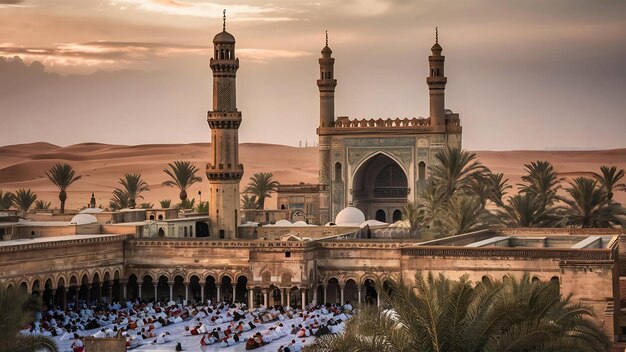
103	164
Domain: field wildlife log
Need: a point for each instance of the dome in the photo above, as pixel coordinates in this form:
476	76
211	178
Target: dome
436	48
223	38
327	50
82	219
283	223
373	223
300	223
91	211
350	216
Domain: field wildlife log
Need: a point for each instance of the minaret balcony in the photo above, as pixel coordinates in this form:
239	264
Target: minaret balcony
223	172
224	119
436	80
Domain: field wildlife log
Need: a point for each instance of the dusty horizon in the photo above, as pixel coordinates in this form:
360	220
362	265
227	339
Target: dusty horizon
544	76
102	165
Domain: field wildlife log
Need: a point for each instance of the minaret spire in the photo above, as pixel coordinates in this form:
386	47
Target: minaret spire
327	37
436	34
224	23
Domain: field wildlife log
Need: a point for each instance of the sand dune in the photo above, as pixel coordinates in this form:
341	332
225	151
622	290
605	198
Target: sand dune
102	165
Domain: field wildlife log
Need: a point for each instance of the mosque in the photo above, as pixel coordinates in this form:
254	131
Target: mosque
368	170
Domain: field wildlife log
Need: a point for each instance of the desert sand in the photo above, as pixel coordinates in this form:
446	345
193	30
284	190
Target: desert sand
24	165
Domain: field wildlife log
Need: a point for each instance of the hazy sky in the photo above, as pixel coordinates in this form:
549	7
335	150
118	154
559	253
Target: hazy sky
523	74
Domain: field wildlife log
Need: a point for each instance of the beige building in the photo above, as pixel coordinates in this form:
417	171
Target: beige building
378	165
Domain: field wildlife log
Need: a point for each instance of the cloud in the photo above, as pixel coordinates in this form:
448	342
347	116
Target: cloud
266	55
205	9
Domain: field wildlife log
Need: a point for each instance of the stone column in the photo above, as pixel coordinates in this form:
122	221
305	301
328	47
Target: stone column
88	295
219	288
171	286
377	298
124	286
315	294
110	292
202	293
140	293
250	298
325	293
303	297
186	292
341	287
288	297
265	298
156	286
234	293
359	291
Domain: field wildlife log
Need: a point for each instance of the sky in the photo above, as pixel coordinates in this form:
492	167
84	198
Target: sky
528	74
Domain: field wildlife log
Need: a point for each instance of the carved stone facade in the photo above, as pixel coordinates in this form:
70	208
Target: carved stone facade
355	155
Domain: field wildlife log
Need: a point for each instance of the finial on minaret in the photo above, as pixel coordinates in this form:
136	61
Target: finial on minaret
436	34
326	37
224	24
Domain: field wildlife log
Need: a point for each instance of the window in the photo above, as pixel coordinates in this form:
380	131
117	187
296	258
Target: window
288	254
338	171
421	171
185	231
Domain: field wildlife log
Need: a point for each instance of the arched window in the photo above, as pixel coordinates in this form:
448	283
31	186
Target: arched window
397	215
338	171
380	215
421	171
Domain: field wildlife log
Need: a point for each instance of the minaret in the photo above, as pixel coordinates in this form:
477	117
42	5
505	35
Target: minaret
326	84
92	201
437	84
225	172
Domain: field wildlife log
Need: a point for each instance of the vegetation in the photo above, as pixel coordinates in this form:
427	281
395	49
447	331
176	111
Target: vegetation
120	200
187	204
203	207
132	187
62	176
146	206
24	199
462	195
6	200
165	203
439	314
41	205
249	201
17	309
182	175
261	185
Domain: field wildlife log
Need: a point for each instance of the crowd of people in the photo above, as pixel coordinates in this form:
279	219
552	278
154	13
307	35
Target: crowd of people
221	324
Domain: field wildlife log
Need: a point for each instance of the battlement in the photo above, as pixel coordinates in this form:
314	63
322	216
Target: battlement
343	125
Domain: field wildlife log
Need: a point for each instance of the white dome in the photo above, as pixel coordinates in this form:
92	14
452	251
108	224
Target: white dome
91	211
350	216
373	223
300	223
283	223
82	219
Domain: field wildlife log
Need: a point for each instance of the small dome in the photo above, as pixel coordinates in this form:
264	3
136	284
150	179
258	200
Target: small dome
448	112
300	223
283	223
91	211
373	223
436	49
327	50
223	38
350	216
82	219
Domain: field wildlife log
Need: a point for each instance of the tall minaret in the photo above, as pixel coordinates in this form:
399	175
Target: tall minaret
437	84
225	172
326	84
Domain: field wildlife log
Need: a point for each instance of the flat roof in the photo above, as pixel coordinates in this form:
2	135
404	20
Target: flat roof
23	241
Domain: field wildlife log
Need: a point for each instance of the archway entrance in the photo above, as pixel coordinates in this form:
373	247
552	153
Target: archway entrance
380	185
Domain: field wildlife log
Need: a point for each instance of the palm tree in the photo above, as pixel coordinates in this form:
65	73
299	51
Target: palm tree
249	202
431	206
526	210
146	206
62	176
203	207
133	186
17	309
187	204
165	203
455	170
262	185
24	199
183	175
542	181
411	213
120	200
499	186
609	180
465	213
41	205
439	314
588	205
6	200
